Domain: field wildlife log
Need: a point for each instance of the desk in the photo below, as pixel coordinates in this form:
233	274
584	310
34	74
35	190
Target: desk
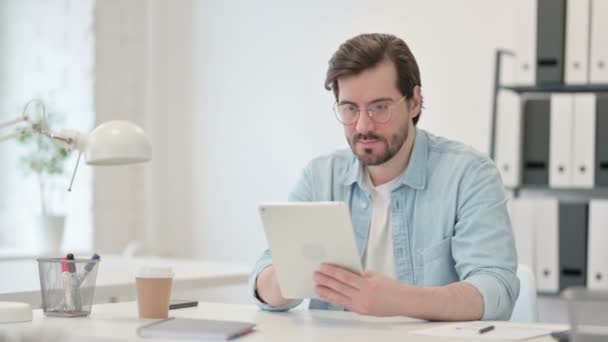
116	277
118	322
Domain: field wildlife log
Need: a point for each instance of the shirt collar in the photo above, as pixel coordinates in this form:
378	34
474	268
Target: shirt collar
415	174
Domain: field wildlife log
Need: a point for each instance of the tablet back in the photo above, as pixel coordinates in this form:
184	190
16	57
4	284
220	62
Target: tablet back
302	235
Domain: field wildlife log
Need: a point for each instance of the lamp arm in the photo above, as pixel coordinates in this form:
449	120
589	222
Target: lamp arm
15	121
10	123
70	139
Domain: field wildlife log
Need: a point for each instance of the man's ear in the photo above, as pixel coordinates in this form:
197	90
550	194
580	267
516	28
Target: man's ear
415	103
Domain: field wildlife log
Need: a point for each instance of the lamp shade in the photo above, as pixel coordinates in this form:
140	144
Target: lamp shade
117	143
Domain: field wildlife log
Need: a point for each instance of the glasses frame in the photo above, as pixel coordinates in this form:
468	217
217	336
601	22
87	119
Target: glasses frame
369	113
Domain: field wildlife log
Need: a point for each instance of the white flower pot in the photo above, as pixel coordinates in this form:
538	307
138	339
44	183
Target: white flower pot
49	234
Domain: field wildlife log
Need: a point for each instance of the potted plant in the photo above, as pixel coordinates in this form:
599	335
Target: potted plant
45	159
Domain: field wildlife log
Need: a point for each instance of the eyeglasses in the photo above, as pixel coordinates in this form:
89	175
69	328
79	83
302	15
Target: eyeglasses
379	112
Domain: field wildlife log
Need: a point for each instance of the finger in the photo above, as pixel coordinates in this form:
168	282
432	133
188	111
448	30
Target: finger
335	284
331	296
350	278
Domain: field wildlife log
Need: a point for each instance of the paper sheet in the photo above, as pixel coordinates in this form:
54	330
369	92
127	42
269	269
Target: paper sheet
470	330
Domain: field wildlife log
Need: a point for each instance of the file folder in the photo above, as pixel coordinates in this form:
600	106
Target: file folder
560	173
597	277
577	42
525	49
601	140
536	132
572	244
547	244
508	137
598	46
583	140
550	37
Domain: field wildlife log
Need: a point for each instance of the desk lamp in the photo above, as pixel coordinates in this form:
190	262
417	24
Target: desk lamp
111	143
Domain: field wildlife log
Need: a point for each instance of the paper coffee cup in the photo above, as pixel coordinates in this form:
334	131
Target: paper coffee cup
153	286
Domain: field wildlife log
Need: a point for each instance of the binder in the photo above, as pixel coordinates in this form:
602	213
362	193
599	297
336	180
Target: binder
572	244
597	277
522	212
547	243
583	140
508	137
560	174
550	38
536	132
601	141
525	49
577	42
598	46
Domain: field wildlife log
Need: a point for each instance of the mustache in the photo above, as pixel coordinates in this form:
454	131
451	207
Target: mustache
365	136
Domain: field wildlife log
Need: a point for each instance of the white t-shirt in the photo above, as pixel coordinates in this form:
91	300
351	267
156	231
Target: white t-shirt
379	256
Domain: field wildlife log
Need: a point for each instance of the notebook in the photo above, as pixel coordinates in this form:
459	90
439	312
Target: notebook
188	328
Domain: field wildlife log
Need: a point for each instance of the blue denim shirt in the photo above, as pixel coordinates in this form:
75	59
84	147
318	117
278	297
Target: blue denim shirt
449	220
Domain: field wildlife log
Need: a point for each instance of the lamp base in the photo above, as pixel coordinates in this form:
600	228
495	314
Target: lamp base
13	312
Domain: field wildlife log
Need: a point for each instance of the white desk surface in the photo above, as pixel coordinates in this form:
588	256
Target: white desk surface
19	280
119	322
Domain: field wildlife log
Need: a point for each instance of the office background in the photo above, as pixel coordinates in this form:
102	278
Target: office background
231	94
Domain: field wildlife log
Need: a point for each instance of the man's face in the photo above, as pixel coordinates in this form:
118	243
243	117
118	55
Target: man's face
376	143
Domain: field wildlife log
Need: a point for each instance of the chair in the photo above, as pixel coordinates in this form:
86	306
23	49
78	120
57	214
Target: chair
526	308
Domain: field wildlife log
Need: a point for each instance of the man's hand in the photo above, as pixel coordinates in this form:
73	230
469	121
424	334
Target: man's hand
267	287
378	295
368	294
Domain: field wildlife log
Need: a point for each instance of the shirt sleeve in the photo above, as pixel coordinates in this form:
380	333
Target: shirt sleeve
302	192
483	246
265	261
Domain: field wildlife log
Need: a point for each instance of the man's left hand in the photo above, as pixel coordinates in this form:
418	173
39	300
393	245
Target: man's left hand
368	294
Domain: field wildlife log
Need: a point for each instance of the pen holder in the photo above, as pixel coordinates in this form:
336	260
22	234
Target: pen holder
67	286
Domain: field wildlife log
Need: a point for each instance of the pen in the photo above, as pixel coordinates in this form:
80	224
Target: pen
88	268
73	284
486	329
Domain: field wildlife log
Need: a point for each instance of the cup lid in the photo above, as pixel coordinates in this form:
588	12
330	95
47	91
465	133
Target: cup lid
154	272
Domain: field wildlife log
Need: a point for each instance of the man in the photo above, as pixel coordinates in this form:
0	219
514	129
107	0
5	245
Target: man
429	214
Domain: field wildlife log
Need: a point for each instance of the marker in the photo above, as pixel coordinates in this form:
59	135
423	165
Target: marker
68	301
73	282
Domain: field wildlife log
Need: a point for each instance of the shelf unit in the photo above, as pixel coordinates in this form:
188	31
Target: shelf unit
557	264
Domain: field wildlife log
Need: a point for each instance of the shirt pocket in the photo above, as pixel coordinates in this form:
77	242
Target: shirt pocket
438	264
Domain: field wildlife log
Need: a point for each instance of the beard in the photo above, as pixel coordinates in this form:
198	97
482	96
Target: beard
389	147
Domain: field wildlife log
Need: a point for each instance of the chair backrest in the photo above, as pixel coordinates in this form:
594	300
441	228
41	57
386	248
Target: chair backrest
526	308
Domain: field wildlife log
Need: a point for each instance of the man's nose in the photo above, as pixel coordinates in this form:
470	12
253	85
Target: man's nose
364	122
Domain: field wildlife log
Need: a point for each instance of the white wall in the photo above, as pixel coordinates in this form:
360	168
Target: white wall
235	105
144	74
262	112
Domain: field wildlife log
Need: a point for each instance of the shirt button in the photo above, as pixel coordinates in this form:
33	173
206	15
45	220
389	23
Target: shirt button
364	205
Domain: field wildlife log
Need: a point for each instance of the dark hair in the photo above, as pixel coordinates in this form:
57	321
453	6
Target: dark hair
368	50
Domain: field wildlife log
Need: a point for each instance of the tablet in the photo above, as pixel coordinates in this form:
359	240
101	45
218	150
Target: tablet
301	236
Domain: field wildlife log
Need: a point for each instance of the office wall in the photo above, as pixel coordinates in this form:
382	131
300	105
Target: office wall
231	93
144	74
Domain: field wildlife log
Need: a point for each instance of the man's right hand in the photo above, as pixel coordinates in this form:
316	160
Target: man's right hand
267	287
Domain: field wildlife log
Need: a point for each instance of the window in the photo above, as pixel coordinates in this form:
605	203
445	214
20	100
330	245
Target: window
47	53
